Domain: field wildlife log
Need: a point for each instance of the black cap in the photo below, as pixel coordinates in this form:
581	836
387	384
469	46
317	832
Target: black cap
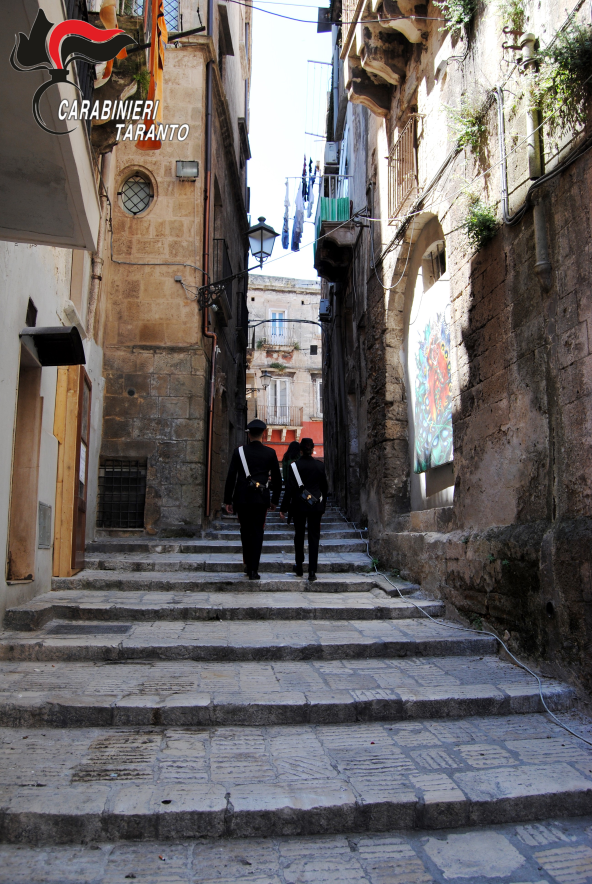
257	425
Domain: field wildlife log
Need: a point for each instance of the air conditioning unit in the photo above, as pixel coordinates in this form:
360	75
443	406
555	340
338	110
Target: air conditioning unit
324	310
332	153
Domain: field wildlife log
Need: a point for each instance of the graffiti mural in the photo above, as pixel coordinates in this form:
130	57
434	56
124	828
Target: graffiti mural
433	401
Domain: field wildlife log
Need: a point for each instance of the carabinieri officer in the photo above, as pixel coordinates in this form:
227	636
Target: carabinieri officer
247	492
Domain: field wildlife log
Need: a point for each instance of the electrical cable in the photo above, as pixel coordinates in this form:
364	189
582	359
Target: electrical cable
307	21
470	629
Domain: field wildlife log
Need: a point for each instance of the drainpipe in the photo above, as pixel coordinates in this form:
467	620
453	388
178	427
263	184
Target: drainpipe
206	264
97	258
542	267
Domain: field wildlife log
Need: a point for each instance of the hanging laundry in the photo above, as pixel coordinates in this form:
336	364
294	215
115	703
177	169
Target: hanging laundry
298	221
304	181
286	227
311	183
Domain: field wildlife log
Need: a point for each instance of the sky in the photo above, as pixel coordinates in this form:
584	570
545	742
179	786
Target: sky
288	98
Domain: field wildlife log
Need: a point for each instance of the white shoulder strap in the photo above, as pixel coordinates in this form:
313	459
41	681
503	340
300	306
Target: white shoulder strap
241	451
297	474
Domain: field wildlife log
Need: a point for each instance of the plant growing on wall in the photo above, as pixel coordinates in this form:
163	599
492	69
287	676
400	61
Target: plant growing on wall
563	84
458	13
513	15
469	123
261	343
277	366
143	80
481	223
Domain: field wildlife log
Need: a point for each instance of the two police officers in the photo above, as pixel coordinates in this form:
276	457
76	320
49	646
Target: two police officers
254	469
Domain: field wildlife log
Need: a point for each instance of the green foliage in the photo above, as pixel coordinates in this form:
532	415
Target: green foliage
458	13
476	622
513	15
296	345
469	124
277	366
143	80
261	343
563	83
481	224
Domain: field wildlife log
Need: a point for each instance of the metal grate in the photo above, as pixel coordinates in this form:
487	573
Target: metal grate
171	14
89	629
122	494
136	194
402	179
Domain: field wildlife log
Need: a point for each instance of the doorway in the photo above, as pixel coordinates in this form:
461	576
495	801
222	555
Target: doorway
72	430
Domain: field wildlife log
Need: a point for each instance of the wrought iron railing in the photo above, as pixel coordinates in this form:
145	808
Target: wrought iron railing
277	333
222	266
280	415
402	170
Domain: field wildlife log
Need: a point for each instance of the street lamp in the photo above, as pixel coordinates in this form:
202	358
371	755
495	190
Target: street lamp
261	240
265	379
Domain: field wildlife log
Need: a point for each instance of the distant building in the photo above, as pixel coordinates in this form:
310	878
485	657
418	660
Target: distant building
285	342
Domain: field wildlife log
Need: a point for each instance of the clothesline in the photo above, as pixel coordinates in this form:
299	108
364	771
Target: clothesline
304	202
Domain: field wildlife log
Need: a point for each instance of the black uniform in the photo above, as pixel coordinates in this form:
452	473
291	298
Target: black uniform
314	479
251	504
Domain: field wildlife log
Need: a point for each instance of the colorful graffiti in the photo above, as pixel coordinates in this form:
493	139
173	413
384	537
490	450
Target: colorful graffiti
433	404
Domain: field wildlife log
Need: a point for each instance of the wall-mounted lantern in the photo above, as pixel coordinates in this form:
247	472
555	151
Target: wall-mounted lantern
187	169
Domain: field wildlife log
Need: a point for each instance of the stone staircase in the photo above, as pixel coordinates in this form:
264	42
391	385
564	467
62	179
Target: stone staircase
160	695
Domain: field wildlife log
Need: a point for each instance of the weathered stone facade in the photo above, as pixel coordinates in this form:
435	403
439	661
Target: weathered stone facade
505	533
158	357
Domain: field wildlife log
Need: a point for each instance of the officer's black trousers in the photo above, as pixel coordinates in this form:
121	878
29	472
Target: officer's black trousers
314	534
252	523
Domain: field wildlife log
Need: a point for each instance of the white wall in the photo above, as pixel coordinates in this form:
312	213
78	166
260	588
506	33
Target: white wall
41	273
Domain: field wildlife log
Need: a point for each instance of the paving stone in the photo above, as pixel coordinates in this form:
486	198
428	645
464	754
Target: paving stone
356	858
273	780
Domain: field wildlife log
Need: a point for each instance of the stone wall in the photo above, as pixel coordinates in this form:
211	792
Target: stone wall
158	361
514	551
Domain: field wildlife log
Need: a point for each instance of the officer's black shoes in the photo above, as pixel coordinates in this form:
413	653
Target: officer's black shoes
311	576
298	570
254	576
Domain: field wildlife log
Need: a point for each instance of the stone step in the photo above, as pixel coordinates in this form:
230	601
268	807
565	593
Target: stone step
147	544
192	694
241	640
207	546
204	581
222	561
75	605
558	847
98	784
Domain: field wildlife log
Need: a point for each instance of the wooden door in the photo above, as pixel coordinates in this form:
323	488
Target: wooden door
81	481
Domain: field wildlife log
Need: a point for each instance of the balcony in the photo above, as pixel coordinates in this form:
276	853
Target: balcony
49	194
276	335
280	415
336	235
